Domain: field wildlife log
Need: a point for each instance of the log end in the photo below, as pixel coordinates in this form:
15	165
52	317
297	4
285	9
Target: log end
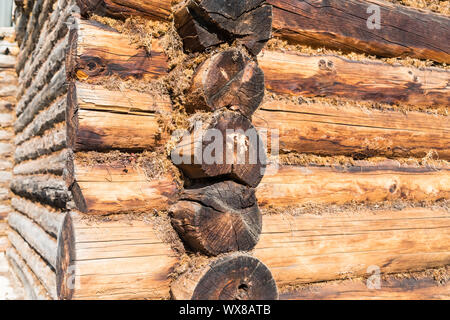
220	218
232	277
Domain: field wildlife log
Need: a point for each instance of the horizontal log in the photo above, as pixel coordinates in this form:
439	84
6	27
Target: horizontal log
55	88
326	75
9	48
51	164
6	149
41	14
124	259
100	119
326	130
6	136
47	218
98	51
45	120
313	248
297	185
56	29
39	267
45	189
6	120
119	187
7	61
52	141
343	25
44	75
392	288
35	236
33	288
151	9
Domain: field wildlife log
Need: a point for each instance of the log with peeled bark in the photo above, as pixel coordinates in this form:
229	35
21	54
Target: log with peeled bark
206	23
326	75
227	79
121	9
306	248
222	145
235	276
97	51
219	218
327	130
393	287
362	183
119	187
101	119
122	259
343	25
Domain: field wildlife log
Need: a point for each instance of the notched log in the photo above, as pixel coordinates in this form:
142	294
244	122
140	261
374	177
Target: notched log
206	23
223	217
223	145
228	79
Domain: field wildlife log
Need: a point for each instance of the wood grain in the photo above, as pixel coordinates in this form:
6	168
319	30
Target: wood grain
297	185
317	76
342	24
322	129
98	51
313	248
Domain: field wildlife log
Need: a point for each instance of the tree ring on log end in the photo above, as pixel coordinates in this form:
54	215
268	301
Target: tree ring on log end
206	23
65	260
228	79
220	218
223	145
233	277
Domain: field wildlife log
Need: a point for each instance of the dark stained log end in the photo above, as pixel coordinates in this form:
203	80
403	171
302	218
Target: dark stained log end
228	79
87	7
220	218
205	23
65	267
230	149
236	276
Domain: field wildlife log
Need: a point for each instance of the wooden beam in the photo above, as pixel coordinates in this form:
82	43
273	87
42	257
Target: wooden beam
123	259
297	185
119	187
101	119
323	129
121	9
98	51
317	76
313	248
343	25
393	287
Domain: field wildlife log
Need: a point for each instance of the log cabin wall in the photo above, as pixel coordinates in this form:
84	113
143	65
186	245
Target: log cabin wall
361	181
8	87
